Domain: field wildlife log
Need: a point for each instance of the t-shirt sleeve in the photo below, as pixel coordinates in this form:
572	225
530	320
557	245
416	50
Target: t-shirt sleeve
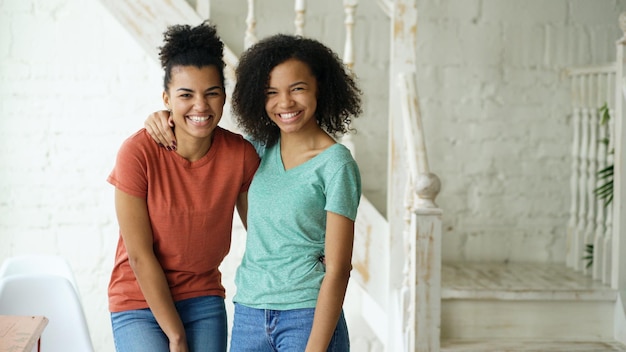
343	192
258	146
251	163
130	171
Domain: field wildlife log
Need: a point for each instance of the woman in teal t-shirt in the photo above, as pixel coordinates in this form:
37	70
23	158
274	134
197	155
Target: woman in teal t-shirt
303	200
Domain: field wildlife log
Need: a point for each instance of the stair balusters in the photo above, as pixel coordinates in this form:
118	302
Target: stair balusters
592	166
250	36
598	235
607	262
575	169
590	221
348	56
300	9
579	247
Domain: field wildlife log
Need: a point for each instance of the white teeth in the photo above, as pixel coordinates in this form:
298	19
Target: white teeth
289	115
198	118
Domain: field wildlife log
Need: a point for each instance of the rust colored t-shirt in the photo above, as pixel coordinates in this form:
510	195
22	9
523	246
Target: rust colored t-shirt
191	207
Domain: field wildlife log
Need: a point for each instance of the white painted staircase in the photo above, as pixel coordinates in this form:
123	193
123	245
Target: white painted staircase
525	307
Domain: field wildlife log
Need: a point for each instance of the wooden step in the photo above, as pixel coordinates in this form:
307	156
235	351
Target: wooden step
519	281
531	346
524	301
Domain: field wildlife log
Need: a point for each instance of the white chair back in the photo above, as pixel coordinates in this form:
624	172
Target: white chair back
38	264
55	298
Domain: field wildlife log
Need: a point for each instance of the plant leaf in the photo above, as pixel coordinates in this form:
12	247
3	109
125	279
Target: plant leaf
604	114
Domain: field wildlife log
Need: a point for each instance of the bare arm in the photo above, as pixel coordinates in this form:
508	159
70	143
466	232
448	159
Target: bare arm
132	215
338	248
159	127
242	208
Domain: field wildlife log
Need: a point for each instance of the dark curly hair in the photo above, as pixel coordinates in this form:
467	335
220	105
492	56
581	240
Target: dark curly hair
198	46
338	98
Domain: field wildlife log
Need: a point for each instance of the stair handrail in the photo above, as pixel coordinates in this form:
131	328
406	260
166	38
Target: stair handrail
427	184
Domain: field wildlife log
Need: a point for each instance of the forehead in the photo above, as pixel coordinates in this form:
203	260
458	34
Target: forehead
291	70
193	75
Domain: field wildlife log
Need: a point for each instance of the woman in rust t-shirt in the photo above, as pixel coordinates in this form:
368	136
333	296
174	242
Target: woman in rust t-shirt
175	209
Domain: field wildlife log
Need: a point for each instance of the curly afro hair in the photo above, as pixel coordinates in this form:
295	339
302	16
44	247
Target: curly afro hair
338	99
198	46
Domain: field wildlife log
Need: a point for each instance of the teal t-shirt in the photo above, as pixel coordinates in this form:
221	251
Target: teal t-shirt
281	267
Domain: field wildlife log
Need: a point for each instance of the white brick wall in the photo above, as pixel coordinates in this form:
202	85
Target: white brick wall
74	84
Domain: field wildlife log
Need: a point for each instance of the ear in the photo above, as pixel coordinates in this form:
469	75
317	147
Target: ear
166	101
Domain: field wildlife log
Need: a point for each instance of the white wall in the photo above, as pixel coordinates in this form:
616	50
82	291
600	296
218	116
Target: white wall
74	84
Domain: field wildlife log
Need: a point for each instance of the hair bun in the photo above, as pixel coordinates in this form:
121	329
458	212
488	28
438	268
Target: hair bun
184	40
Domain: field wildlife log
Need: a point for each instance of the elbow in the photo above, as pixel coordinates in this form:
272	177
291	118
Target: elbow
340	273
135	262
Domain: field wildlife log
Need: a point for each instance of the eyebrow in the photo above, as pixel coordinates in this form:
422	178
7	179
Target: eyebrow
298	83
291	85
191	90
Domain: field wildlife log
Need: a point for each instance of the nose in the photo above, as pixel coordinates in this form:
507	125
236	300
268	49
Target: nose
201	103
285	99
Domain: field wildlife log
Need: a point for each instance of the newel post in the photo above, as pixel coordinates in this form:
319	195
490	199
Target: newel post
426	258
422	283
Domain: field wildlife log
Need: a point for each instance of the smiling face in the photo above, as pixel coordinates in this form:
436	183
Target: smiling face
196	99
291	97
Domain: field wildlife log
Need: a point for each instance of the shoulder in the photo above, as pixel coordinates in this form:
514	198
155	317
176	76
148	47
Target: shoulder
340	165
341	151
234	142
260	147
227	136
138	152
139	141
338	156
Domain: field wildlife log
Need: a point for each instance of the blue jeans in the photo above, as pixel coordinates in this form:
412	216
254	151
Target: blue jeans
204	319
262	330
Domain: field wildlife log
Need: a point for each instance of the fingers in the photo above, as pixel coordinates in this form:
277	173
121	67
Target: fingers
160	127
156	135
166	129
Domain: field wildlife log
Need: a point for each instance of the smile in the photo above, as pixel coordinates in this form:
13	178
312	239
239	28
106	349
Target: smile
198	118
288	115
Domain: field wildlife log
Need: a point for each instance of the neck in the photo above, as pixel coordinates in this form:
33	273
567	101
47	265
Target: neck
193	149
306	140
298	148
